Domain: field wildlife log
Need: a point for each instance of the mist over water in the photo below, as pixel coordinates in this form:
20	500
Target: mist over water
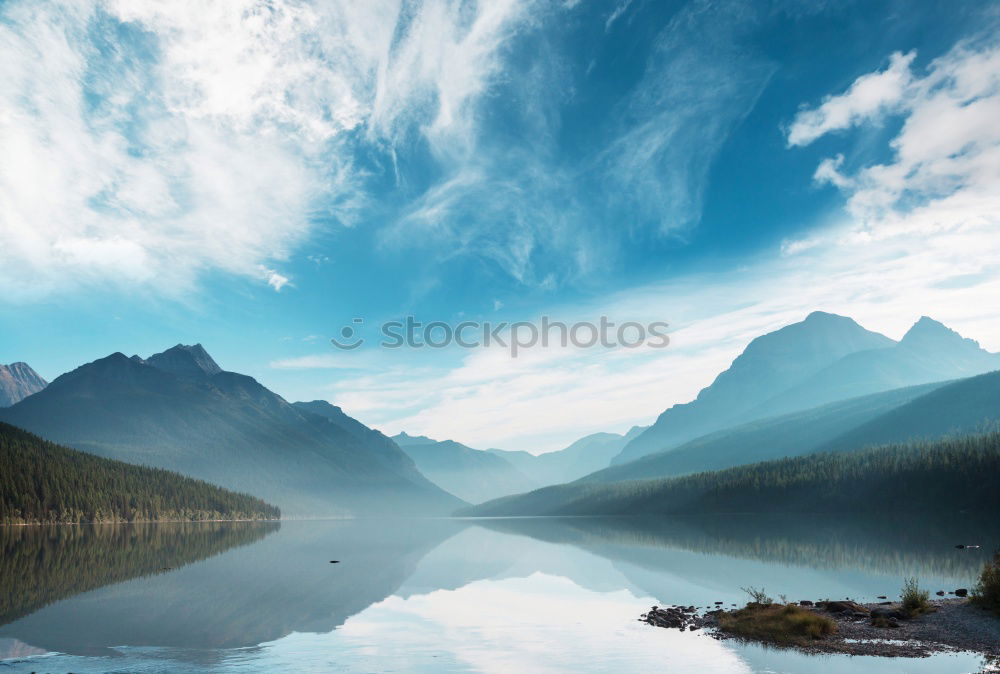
531	594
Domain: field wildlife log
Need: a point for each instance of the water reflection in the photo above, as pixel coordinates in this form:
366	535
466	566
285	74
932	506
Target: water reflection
43	564
443	595
875	545
239	598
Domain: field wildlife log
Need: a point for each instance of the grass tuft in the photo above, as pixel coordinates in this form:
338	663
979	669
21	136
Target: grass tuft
986	593
914	600
785	624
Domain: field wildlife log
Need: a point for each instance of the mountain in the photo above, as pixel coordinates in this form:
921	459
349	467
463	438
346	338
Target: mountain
956	475
588	454
471	474
776	437
928	352
45	483
178	410
784	372
18	381
768	366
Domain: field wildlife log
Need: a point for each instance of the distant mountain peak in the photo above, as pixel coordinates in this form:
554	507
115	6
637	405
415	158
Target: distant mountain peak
18	381
185	360
929	333
825	316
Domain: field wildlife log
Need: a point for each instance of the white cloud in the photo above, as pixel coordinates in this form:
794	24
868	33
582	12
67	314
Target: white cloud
870	96
620	9
148	141
275	280
944	171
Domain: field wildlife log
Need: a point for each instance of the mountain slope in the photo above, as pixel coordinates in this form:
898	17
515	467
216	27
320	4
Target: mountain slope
768	366
584	456
471	474
175	411
966	406
776	437
18	381
956	475
44	483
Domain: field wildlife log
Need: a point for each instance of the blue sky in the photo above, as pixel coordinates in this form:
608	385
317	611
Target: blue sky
253	175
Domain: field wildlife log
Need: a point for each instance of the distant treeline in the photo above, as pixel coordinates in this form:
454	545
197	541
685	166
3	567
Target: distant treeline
955	475
41	482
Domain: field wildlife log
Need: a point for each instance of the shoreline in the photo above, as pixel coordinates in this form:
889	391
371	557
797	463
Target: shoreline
119	522
954	625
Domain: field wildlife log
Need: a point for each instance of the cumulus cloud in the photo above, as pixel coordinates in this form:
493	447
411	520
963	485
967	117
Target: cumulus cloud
944	169
869	97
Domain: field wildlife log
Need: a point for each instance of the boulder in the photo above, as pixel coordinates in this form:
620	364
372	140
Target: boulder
887	613
844	607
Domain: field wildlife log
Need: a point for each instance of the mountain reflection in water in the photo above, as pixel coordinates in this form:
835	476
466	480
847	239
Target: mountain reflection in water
202	590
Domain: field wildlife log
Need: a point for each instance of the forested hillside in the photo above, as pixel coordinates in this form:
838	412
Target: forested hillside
956	475
178	410
42	482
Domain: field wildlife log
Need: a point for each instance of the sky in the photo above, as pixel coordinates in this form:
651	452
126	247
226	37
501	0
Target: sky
254	176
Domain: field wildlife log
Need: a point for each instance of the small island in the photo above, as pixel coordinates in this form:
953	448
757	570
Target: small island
46	483
913	626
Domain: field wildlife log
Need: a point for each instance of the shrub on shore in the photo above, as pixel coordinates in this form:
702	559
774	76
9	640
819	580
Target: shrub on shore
915	600
758	596
986	593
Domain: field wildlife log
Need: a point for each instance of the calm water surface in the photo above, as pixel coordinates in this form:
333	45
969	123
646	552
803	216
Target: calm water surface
520	595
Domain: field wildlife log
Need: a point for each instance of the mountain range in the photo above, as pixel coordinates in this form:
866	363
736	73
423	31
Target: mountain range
584	456
18	381
480	475
822	384
471	474
819	360
928	413
180	411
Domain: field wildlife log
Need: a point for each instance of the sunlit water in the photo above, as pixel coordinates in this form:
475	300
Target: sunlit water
530	595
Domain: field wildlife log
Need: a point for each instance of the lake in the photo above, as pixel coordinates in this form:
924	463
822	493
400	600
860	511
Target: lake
448	595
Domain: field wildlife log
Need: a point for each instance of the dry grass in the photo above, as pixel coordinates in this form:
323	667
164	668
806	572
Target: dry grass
785	624
914	600
986	593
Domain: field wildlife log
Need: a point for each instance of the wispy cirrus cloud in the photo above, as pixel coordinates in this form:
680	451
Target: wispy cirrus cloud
149	142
